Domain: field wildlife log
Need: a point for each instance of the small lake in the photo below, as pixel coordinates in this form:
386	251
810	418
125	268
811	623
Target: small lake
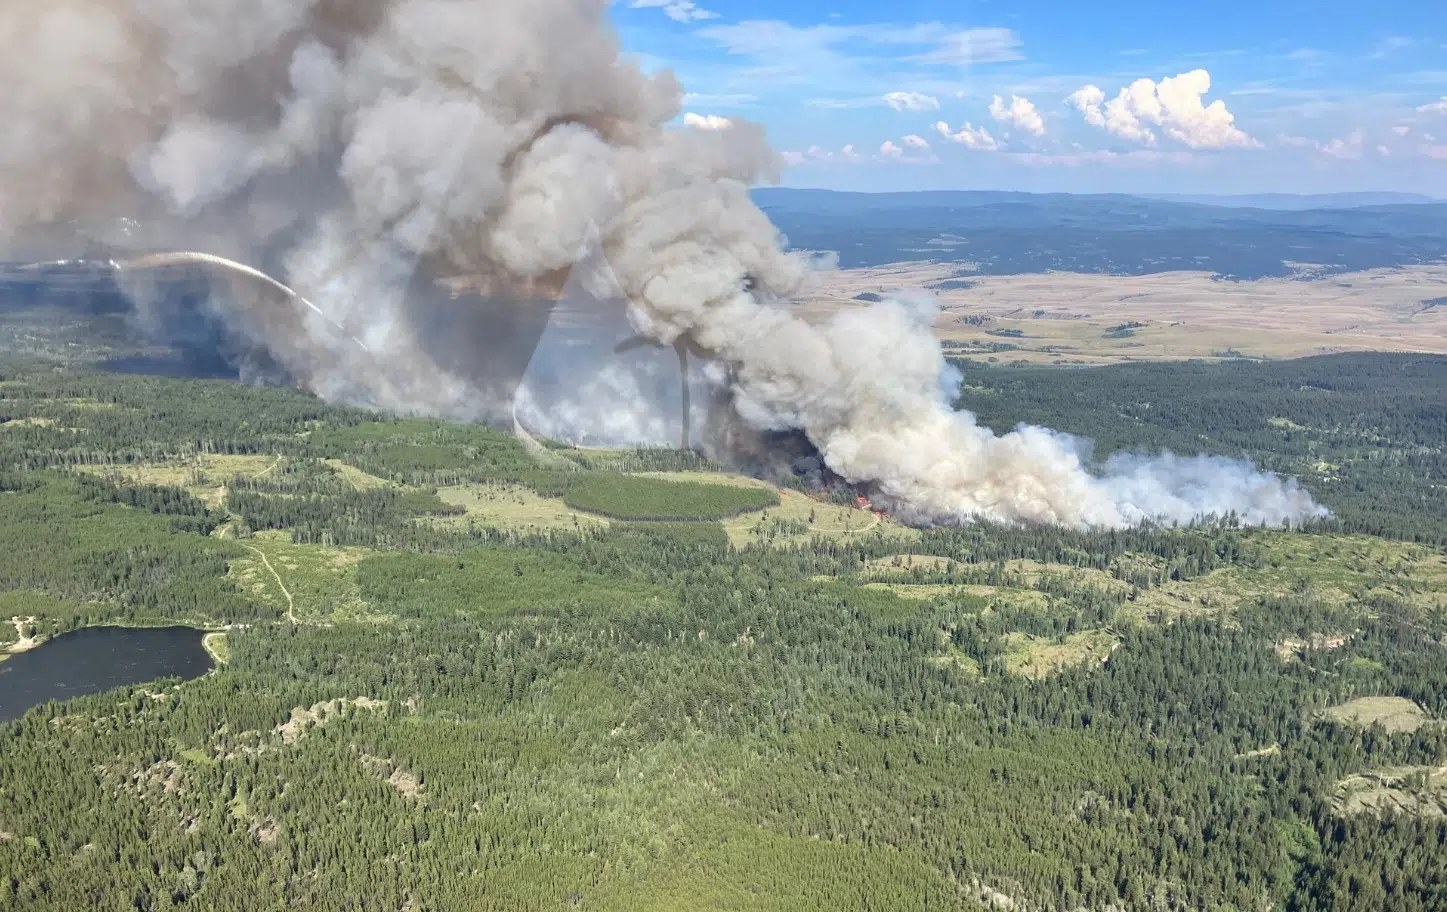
96	659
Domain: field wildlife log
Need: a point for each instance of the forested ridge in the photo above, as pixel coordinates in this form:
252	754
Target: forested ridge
449	713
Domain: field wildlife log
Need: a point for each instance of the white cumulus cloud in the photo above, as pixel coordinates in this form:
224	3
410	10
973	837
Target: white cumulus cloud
918	152
677	10
1087	100
911	101
1019	112
969	136
706	121
1349	148
1434	107
914	151
1174	105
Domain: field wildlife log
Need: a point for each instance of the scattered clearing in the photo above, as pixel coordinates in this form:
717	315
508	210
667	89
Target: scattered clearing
395	775
307	583
1420	790
28	422
799	517
355	477
204	475
1395	714
1295	648
217	647
1037	657
514	508
921	592
909	563
24	641
163	775
304	720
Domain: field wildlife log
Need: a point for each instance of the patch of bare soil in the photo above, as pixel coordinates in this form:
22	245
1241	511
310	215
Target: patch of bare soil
303	720
395	775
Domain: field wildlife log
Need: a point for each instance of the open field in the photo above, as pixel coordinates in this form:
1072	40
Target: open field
799	518
310	583
1074	318
1420	790
203	475
217	646
1038	657
908	563
356	477
1395	714
1335	570
515	508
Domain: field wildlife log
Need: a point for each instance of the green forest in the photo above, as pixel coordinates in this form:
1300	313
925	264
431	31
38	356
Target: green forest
462	675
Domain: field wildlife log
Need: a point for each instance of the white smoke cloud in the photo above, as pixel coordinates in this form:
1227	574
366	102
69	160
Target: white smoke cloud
359	148
1020	112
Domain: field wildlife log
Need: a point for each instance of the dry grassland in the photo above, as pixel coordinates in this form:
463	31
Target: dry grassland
203	475
315	583
1065	317
1420	790
1395	714
1038	657
514	508
820	518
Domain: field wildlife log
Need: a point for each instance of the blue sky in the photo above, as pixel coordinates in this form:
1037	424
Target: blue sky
1131	96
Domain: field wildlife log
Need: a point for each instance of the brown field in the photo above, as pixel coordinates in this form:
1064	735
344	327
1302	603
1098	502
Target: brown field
1420	790
515	508
1064	317
1395	714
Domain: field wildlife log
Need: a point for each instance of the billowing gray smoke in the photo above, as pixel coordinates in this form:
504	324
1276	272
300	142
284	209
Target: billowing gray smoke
352	146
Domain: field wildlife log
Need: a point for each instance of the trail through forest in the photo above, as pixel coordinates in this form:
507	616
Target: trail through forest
290	603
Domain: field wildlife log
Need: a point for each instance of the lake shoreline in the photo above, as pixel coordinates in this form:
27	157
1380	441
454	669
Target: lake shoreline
101	657
22	642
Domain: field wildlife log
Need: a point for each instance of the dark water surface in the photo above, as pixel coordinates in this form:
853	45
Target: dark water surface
96	659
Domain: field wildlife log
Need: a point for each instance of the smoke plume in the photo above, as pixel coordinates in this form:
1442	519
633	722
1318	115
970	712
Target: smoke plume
361	150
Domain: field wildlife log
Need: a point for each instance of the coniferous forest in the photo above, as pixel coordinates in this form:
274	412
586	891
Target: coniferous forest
453	674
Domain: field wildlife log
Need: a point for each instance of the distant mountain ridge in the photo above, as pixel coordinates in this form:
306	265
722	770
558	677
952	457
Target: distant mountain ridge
1005	232
928	199
1298	201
